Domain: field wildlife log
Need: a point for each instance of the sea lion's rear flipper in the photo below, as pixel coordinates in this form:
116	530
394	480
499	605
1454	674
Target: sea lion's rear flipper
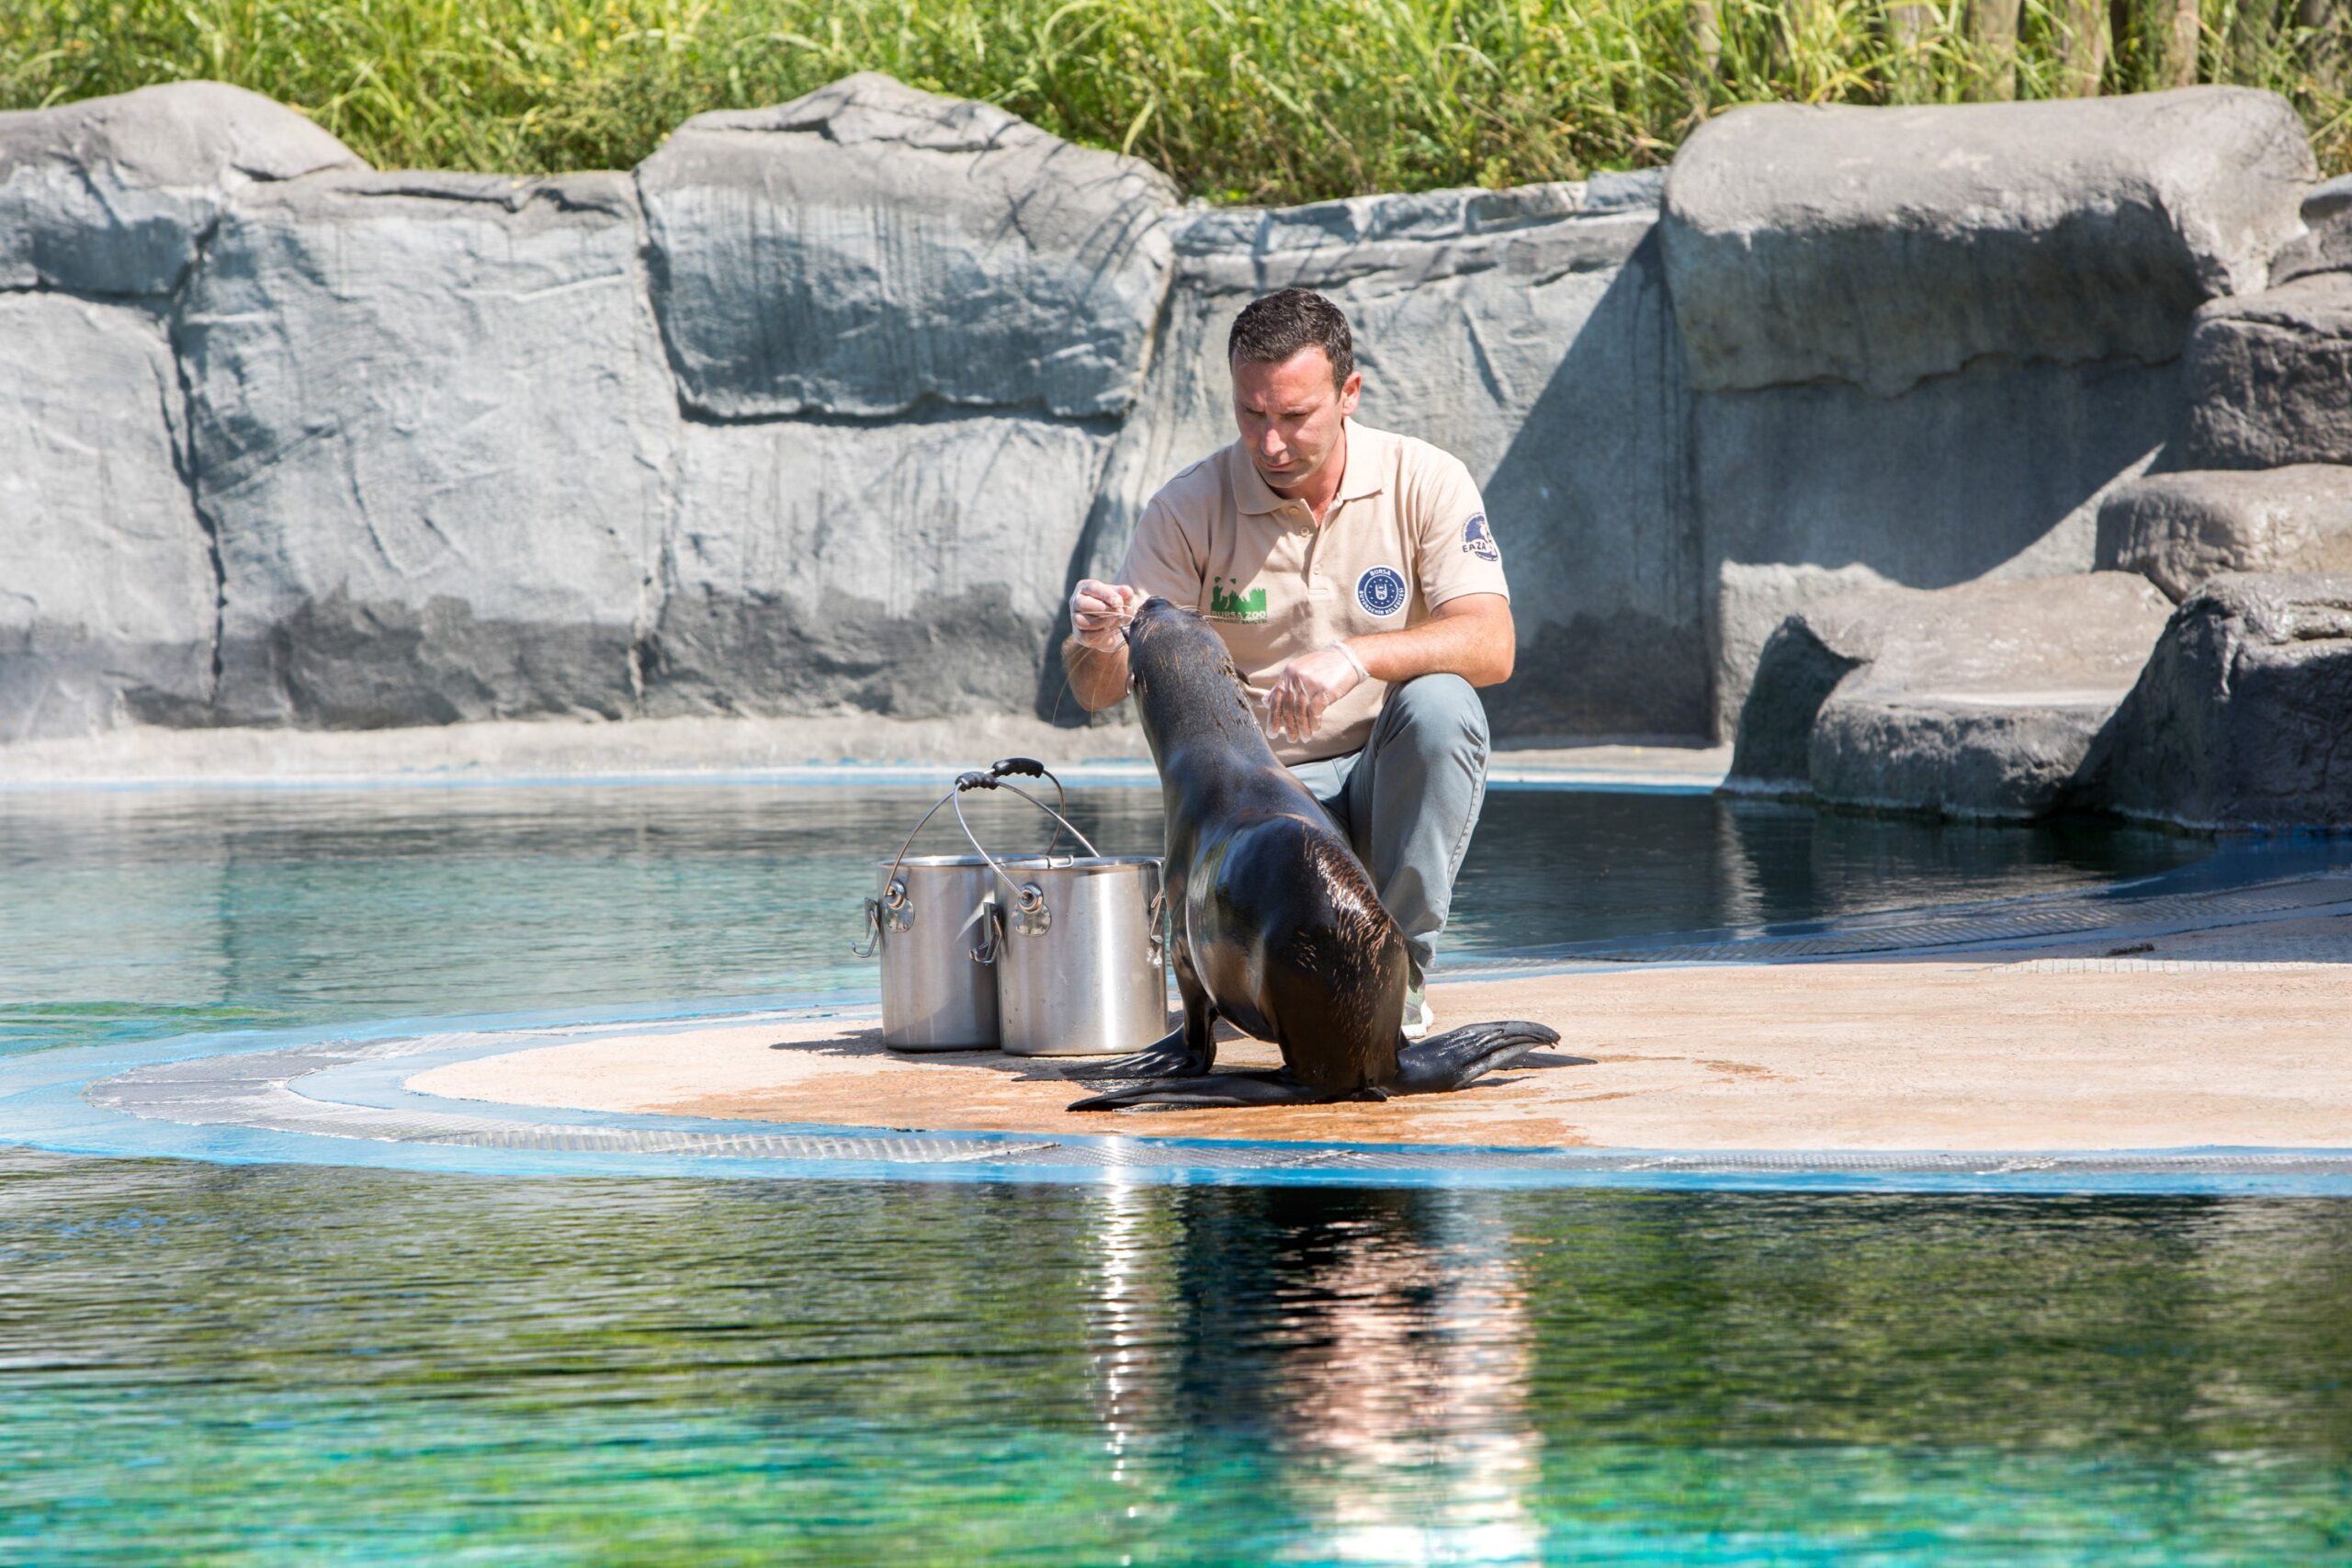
1461	1057
1219	1089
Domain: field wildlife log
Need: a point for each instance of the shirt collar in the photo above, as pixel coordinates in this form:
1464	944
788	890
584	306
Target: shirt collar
1367	464
1363	476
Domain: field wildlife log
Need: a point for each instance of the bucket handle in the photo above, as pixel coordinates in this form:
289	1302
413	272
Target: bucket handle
1027	899
1025	767
1028	767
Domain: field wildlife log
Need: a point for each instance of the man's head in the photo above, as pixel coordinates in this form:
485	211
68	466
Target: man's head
1294	382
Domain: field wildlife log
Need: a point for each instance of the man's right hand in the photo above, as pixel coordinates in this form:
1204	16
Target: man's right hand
1098	613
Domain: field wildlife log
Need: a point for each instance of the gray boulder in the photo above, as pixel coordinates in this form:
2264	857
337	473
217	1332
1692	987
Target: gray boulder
2239	719
1882	246
2180	529
2330	201
112	196
1751	600
911	568
433	435
2327	247
1996	471
869	248
1980	701
106	584
1527	332
2269	377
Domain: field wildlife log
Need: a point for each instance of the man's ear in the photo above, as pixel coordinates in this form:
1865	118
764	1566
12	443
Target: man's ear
1350	391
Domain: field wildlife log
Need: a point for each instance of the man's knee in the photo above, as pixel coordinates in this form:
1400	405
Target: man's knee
1437	713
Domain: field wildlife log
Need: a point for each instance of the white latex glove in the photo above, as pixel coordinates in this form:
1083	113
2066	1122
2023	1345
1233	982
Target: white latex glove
1308	686
1099	613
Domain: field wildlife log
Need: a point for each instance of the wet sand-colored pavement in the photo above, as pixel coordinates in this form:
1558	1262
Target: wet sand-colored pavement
2235	1036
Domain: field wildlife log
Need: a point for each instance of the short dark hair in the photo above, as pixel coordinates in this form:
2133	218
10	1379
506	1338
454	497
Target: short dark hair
1273	328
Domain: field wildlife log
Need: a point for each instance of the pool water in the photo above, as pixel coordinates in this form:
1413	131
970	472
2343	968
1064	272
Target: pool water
247	1365
134	913
220	1364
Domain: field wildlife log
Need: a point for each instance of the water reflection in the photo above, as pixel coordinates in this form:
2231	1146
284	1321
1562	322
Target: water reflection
283	1365
289	1365
1378	1344
1131	1312
1404	1403
1597	867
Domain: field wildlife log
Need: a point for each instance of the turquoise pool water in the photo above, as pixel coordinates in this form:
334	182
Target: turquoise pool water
301	1365
134	913
273	1365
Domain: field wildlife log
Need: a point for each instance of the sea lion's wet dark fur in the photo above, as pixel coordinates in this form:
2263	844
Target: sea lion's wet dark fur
1277	927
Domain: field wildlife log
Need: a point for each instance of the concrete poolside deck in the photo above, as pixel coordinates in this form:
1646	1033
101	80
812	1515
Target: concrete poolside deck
2221	1034
853	748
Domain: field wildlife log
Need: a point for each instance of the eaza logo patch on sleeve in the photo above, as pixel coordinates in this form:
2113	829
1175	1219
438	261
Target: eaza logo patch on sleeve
1380	590
1478	540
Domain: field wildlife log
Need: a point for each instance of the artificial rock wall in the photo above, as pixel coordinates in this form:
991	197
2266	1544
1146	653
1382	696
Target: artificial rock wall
824	406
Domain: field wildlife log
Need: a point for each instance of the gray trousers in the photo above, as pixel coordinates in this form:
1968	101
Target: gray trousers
1410	798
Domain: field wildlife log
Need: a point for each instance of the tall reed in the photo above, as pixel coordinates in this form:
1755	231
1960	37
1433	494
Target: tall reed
1240	101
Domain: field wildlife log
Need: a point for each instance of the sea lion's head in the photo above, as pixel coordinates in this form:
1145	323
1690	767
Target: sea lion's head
1183	679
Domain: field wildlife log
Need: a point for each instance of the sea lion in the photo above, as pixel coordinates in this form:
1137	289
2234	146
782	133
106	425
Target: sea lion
1277	927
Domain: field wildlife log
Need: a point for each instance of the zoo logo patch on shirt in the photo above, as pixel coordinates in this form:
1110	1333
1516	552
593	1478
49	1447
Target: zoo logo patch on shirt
1477	541
1381	590
1235	604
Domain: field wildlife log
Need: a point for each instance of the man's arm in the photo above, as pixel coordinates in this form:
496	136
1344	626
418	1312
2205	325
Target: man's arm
1095	653
1160	560
1470	635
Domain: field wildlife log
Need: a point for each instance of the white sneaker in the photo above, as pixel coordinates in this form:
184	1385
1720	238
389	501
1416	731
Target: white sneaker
1417	1016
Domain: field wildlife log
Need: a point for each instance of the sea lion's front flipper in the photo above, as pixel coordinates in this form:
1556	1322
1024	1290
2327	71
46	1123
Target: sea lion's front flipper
1461	1057
1219	1089
1169	1056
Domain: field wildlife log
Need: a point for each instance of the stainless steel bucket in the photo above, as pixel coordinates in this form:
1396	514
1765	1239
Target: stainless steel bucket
933	923
1081	961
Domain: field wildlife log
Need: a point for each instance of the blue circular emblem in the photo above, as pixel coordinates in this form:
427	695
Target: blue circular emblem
1380	590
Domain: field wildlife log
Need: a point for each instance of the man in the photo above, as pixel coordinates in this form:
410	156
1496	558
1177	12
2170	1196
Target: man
1354	578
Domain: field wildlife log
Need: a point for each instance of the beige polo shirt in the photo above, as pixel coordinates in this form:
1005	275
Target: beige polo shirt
1405	532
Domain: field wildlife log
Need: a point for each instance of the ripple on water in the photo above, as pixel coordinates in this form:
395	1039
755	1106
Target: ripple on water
289	1365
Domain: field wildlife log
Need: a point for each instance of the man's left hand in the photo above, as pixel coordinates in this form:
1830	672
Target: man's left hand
1308	686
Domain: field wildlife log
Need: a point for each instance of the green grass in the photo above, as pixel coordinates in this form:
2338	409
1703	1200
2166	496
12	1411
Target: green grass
1276	101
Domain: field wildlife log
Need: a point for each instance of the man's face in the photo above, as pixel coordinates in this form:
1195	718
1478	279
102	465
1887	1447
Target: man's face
1290	414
